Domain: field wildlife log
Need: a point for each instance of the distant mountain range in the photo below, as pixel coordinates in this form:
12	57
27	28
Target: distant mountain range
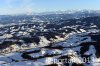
48	16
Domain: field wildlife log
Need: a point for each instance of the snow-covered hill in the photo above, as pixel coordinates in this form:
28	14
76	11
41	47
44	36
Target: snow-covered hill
73	49
66	42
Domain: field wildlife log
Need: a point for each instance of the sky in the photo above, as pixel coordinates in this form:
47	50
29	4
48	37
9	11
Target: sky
36	6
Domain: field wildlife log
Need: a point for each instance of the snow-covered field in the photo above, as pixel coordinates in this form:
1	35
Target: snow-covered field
68	42
75	49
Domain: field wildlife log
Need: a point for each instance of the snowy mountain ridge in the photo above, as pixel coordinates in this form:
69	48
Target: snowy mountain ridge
77	45
43	43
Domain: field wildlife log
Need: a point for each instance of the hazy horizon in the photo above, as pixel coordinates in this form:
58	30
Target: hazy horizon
38	6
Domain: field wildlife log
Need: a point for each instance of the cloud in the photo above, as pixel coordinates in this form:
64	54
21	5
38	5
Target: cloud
16	6
22	3
9	1
28	6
